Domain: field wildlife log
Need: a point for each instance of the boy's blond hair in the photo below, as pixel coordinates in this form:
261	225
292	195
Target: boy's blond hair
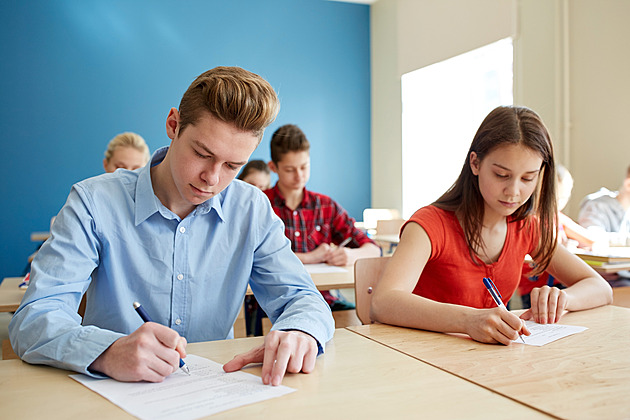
232	95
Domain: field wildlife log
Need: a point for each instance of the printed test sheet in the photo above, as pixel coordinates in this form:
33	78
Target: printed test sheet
206	391
546	333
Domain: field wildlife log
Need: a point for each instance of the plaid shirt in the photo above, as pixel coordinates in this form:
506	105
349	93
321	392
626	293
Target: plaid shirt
317	220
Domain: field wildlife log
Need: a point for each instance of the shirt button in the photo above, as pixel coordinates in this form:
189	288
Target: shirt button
318	228
180	276
182	229
295	212
178	321
297	233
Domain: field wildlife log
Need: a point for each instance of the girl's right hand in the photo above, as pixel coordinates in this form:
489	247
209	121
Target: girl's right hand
495	325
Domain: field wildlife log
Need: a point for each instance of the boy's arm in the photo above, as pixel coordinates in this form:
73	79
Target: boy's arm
46	328
302	321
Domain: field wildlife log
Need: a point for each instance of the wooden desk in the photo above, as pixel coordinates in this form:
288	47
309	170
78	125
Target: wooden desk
586	375
355	378
10	294
39	236
327	281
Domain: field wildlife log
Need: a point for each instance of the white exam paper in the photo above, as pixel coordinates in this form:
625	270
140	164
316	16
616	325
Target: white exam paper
323	268
546	333
206	391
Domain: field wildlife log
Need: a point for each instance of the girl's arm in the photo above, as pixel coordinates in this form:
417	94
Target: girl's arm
394	303
586	289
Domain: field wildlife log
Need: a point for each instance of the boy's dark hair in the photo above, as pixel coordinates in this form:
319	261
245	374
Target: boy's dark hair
288	138
232	95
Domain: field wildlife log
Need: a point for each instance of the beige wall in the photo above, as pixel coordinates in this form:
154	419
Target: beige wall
571	63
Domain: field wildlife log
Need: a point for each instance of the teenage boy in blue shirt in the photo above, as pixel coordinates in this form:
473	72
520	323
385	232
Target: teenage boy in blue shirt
182	239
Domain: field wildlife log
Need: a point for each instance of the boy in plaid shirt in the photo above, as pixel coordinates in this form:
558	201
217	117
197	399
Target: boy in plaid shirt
314	223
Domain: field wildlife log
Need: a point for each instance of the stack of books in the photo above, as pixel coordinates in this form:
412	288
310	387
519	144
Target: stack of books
617	260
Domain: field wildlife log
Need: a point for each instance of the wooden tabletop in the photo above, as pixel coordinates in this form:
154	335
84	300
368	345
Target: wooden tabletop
328	281
10	294
586	375
355	378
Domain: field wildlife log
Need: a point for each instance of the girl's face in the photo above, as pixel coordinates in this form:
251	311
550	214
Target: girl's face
126	157
507	177
258	179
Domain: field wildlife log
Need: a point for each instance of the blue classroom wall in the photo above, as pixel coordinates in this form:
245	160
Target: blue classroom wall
75	73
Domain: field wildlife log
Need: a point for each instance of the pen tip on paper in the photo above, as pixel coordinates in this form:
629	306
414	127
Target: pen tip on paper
185	369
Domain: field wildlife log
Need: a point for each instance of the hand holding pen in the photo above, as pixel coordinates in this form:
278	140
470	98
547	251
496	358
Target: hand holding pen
145	317
339	255
496	296
151	353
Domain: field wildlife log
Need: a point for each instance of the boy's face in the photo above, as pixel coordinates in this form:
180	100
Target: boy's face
205	157
293	169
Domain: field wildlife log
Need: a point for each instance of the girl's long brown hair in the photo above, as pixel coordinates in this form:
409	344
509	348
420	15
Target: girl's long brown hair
508	125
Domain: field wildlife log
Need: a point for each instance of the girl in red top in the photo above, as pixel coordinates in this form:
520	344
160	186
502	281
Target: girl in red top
501	208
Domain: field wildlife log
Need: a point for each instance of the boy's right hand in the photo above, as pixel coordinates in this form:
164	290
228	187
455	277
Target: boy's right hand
151	353
494	325
320	254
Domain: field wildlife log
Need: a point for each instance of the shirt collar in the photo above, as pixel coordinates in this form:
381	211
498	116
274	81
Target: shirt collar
147	202
306	200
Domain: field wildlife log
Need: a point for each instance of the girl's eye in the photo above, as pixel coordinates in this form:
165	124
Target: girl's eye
501	176
528	179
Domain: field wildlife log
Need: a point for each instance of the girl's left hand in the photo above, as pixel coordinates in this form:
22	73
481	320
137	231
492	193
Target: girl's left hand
548	305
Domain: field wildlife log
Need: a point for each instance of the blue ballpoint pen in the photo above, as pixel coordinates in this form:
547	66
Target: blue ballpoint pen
496	296
145	317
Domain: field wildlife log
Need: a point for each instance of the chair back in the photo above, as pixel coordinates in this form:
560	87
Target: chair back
389	227
367	272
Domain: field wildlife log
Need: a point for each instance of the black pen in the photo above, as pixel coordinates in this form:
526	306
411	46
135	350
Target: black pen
146	318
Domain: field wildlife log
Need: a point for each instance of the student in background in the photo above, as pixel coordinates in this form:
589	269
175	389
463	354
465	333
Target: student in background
501	207
126	150
314	223
607	213
570	234
182	239
256	173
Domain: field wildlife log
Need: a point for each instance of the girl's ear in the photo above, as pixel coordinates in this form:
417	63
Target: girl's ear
474	163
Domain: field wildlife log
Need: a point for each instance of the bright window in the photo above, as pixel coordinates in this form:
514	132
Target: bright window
442	107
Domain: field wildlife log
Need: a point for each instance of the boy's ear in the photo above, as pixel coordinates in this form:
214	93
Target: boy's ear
172	122
272	167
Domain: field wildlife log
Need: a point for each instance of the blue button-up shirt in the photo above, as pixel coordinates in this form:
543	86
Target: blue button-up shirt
116	242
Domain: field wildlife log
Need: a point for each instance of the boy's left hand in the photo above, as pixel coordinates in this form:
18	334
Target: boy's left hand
283	351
